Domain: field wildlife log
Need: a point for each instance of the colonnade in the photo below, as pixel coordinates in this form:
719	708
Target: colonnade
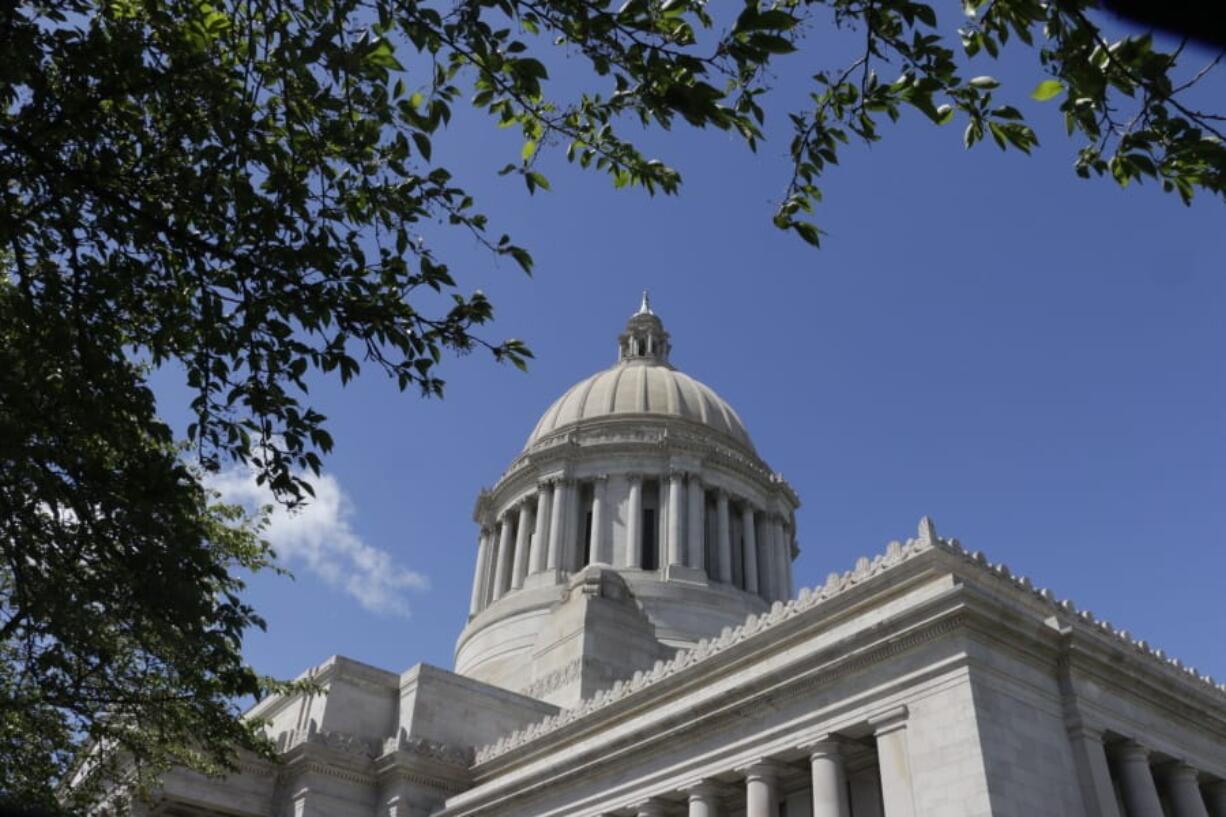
1138	781
549	532
833	794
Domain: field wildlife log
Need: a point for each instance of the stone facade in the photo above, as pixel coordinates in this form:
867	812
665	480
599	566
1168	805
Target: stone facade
605	671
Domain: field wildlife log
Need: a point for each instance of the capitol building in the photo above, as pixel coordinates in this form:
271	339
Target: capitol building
636	647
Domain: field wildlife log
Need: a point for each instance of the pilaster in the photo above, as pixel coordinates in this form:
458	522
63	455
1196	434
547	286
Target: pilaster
893	757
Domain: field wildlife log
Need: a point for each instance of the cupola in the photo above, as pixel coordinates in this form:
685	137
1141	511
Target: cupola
644	339
637	520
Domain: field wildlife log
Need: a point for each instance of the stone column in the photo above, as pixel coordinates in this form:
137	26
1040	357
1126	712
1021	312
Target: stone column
1137	781
761	789
696	503
600	554
662	522
864	791
483	557
491	566
557	521
890	729
1184	791
634	523
783	588
1093	773
540	537
523	535
789	538
571	557
723	527
829	779
502	565
766	557
750	549
650	808
675	545
1215	796
703	797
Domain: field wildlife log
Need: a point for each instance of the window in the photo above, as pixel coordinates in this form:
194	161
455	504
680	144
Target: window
587	540
650	560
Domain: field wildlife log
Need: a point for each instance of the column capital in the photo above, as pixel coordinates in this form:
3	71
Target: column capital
651	807
702	787
824	746
1130	751
633	476
1078	728
761	768
598	477
1179	770
892	720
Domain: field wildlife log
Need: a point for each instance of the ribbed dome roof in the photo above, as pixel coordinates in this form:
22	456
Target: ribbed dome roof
642	382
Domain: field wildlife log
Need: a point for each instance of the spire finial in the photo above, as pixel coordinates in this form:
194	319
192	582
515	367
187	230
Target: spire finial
644	339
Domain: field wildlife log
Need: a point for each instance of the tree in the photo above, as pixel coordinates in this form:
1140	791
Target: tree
246	187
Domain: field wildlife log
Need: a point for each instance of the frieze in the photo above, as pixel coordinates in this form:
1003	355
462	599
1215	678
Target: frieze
329	770
431	749
748	464
554	680
808	598
444	787
561	677
337	741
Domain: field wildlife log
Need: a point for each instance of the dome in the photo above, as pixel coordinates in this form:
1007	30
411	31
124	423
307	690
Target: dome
630	389
642	382
638	520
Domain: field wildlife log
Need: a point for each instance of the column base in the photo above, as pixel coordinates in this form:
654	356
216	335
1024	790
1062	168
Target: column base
685	573
547	578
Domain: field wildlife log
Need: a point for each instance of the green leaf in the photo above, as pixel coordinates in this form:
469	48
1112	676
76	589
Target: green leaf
1047	89
382	55
529	150
808	232
540	180
423	144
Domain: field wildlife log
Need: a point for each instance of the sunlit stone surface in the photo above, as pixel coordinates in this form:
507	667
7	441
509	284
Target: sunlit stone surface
634	647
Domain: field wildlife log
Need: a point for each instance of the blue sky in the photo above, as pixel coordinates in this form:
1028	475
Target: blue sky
1034	360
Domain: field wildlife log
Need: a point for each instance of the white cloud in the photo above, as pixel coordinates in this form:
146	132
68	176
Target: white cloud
320	537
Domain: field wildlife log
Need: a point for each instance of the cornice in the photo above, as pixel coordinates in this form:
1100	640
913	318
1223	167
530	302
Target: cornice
446	753
442	786
706	649
734	711
363	760
810	600
636	433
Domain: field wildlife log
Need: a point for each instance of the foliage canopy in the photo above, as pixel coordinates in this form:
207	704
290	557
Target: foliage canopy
246	187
